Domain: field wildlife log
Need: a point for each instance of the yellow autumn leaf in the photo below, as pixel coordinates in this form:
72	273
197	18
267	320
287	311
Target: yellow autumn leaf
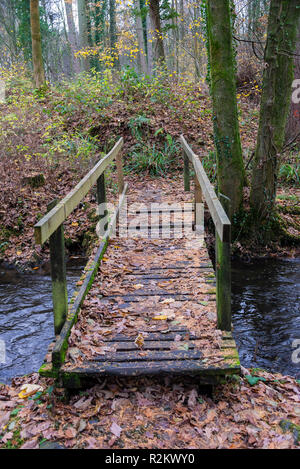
160	318
28	390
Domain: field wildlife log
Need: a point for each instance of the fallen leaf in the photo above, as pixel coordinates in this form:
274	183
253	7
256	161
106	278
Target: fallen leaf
115	429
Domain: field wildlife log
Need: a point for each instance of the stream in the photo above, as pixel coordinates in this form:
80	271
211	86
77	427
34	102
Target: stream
266	314
26	319
265	305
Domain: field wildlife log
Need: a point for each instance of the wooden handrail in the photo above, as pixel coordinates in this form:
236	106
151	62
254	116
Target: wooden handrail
51	226
50	222
218	214
222	228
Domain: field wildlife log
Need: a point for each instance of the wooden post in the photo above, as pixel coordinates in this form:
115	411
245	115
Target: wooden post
120	175
101	199
186	173
198	204
58	275
223	277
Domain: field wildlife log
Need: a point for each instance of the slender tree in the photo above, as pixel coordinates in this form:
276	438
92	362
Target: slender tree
83	32
37	57
159	52
275	103
231	175
113	32
72	35
140	36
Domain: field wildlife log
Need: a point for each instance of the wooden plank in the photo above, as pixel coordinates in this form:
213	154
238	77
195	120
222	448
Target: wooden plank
170	226
137	298
162	211
173	367
50	222
148	355
172	267
151	345
218	214
152	336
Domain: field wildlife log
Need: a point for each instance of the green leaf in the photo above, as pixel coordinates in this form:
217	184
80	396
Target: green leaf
252	380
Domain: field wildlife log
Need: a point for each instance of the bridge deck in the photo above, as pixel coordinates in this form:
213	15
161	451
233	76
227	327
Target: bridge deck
151	309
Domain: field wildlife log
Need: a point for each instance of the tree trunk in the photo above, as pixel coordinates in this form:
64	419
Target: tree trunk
275	101
159	53
37	57
113	32
140	37
83	32
72	36
231	174
149	46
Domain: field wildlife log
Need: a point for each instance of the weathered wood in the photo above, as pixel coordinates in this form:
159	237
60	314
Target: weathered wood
152	336
58	275
223	277
223	288
148	355
101	201
198	208
174	367
149	345
162	211
50	222
120	175
187	184
221	220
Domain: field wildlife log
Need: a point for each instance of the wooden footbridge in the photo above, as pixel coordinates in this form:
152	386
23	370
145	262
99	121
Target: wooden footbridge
167	312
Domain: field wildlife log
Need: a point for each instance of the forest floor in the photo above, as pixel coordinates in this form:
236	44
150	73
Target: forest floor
257	410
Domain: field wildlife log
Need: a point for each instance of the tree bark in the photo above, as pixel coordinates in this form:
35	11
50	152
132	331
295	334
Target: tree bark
159	52
275	102
83	32
113	32
230	167
72	35
37	57
140	37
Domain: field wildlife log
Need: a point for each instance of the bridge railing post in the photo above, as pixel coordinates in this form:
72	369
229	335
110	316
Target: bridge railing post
58	275
101	200
186	173
223	274
198	201
120	175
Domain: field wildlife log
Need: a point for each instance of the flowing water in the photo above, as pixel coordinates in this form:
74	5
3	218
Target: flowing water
26	319
266	314
266	317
